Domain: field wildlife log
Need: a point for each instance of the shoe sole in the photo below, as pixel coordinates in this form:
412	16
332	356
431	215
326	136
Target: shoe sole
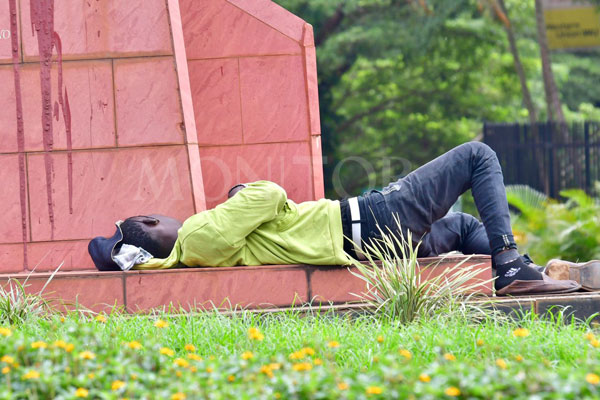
586	274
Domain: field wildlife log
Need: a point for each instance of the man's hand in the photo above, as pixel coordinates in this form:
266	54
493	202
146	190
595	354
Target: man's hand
232	192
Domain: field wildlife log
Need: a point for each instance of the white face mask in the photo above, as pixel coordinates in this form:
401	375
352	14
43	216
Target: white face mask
129	255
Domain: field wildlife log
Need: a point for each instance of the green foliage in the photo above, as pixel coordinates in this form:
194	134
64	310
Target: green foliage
550	229
401	290
401	82
317	357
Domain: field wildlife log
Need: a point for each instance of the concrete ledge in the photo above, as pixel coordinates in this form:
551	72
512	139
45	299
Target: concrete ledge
253	287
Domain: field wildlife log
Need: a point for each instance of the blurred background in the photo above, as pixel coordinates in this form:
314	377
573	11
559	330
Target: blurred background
402	81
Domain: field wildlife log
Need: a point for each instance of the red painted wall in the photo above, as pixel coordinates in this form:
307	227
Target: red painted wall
151	106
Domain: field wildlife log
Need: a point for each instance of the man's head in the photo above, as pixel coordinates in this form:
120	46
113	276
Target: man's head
154	233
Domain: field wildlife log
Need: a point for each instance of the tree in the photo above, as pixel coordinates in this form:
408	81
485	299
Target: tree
555	112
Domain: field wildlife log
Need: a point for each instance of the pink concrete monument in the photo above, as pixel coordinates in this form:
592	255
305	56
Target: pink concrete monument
117	108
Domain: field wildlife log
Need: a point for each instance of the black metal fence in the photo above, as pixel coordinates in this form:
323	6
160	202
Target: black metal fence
549	157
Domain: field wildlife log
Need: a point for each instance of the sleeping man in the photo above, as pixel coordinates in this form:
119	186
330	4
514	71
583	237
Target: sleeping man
259	225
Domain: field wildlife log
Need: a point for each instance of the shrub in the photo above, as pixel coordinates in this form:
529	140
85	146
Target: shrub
548	229
401	289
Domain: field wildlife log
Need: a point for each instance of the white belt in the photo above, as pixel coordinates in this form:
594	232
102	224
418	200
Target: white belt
356	236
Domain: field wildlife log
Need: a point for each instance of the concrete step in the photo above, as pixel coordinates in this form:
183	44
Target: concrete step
257	287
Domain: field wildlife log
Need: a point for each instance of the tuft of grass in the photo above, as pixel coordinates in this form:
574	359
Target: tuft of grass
402	290
17	306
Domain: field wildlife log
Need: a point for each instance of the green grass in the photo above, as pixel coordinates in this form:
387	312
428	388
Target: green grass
556	358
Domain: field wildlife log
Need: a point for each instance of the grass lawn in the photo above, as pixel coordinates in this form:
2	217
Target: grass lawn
288	356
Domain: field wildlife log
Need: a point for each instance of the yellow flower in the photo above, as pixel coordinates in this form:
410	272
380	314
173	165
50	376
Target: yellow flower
5	370
91	375
342	386
518	358
194	357
247	355
209	370
193	369
405	353
60	344
305	366
593	379
449	357
69	347
190	347
275	366
133	376
374	390
255	334
424	378
590	336
501	363
39	345
178	396
267	370
231	378
452	391
100	318
297	355
135	345
180	362
178	374
595	343
161	324
166	351
380	339
333	344
308	351
116	385
318	361
521	332
87	355
81	392
7	359
31	375
5	331
480	342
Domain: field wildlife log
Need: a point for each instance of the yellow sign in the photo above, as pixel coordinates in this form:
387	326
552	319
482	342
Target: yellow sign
569	28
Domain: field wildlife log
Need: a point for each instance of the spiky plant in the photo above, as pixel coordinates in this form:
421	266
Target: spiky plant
18	306
399	288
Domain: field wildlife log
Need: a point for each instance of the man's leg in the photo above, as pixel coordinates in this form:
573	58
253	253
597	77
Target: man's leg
456	231
425	196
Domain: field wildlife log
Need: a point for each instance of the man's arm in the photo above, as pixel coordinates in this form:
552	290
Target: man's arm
250	207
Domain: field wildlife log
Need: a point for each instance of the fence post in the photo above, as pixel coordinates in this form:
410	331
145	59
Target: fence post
588	178
550	147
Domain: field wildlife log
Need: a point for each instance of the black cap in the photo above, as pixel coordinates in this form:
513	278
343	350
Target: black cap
101	250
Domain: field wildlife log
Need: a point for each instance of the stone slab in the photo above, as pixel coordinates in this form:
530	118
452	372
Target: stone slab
219	29
217	105
147	102
107	28
108	185
97	291
208	288
89	87
273	97
287	164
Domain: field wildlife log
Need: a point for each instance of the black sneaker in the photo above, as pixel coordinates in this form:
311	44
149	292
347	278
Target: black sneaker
527	260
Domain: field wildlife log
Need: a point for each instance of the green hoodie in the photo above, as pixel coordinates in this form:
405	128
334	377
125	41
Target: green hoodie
257	226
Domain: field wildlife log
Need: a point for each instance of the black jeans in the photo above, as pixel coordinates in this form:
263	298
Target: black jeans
422	199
